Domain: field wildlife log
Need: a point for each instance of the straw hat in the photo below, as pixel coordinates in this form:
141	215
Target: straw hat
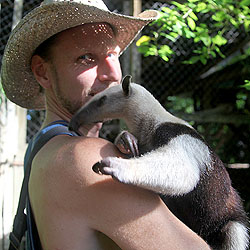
51	17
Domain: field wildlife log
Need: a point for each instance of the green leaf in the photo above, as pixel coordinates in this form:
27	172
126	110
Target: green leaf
200	7
205	51
191	5
165	50
204	26
193	16
206	39
180	24
152	51
148	50
246	85
245	3
231	7
197	51
240	104
143	40
197	39
246	11
213	54
156	35
166	9
178	27
165	58
143	49
173	34
191	23
192	60
168	36
201	29
219	52
234	23
219	40
188	33
203	59
247	24
182	7
219	16
218	25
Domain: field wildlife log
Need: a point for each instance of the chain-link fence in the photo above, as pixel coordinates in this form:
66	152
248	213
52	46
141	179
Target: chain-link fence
209	96
206	95
187	89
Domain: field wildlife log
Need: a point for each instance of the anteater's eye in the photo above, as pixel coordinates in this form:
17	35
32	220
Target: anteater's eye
101	101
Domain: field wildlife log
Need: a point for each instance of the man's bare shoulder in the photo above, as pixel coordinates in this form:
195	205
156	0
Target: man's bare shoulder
72	158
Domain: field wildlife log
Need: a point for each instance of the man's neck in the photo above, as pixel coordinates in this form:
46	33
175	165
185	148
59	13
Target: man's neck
89	131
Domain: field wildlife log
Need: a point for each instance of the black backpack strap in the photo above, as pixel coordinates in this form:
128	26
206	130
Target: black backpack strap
20	223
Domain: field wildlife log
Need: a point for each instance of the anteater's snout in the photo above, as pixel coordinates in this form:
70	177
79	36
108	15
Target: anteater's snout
73	125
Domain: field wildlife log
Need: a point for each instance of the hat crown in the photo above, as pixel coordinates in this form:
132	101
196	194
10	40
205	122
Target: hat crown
96	3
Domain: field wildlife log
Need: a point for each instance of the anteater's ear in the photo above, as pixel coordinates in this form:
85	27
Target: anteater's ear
126	85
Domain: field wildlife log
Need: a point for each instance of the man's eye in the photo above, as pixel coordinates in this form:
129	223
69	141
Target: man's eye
87	58
112	55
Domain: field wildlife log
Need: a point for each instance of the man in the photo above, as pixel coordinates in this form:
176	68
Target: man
73	48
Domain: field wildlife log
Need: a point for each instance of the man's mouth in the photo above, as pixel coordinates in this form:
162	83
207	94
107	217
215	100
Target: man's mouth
98	90
103	120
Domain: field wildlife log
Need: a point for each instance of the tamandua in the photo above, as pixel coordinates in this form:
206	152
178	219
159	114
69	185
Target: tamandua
174	161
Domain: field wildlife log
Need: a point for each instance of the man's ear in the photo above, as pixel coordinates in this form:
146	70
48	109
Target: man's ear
40	70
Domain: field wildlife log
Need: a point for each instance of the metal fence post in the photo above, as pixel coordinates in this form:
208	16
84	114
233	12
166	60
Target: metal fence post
135	55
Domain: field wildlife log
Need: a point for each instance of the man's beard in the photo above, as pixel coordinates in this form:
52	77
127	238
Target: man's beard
69	105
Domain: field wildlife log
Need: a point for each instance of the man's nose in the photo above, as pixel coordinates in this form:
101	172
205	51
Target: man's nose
109	70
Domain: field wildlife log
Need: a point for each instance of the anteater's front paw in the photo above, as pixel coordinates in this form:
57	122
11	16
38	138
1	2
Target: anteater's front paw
116	167
98	168
127	144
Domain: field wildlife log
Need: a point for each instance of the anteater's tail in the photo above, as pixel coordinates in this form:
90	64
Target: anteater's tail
237	236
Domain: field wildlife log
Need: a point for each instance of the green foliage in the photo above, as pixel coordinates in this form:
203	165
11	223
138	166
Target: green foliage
178	103
246	85
241	100
181	20
229	138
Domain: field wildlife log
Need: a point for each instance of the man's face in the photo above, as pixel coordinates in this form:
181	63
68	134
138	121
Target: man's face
84	61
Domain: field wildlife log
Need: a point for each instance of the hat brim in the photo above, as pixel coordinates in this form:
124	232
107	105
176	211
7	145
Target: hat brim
45	21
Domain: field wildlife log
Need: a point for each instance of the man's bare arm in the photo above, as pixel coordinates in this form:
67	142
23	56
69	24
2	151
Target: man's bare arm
132	217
